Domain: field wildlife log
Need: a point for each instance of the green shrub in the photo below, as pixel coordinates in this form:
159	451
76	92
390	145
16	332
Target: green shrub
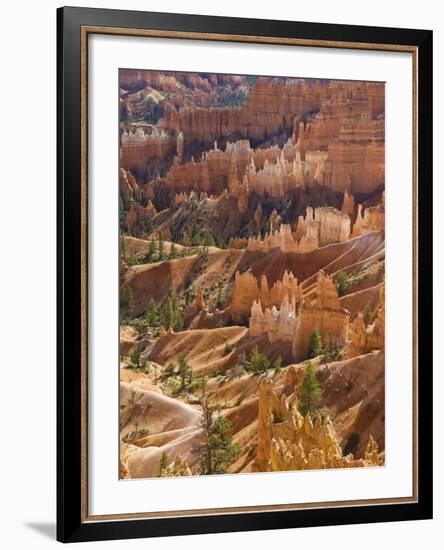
228	348
258	362
342	283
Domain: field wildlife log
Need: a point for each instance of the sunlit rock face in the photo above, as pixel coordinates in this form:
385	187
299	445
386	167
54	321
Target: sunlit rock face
295	324
363	338
321	226
248	289
287	440
270	107
138	147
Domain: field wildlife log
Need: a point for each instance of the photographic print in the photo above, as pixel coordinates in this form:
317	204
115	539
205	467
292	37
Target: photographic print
252	295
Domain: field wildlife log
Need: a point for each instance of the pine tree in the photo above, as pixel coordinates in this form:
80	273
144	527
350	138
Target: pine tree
127	303
217	449
152	251
189	295
314	344
152	313
177	321
310	391
166	315
258	361
184	370
161	247
208	240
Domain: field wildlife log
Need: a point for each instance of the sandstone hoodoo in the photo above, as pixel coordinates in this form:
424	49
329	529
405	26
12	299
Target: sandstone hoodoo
288	440
247	290
296	324
252	294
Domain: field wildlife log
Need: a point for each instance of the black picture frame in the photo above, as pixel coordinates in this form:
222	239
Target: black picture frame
71	524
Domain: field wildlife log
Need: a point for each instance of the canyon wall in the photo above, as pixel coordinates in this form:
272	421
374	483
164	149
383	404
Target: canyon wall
138	147
269	109
356	159
337	140
170	81
351	163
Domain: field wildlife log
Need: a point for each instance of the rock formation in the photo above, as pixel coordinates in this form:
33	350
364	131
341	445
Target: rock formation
348	204
320	227
269	108
138	215
179	467
287	440
356	158
138	147
129	189
290	324
363	339
285	240
200	300
247	289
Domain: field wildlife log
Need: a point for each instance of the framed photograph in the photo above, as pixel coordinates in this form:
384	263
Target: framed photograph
244	274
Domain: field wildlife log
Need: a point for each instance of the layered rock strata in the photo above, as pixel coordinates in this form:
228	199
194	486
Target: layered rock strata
269	108
321	226
295	325
138	147
247	290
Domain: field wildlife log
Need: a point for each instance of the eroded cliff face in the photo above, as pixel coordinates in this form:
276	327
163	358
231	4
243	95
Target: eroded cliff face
287	440
269	109
138	216
128	187
247	290
351	164
363	338
138	147
321	226
295	325
356	158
